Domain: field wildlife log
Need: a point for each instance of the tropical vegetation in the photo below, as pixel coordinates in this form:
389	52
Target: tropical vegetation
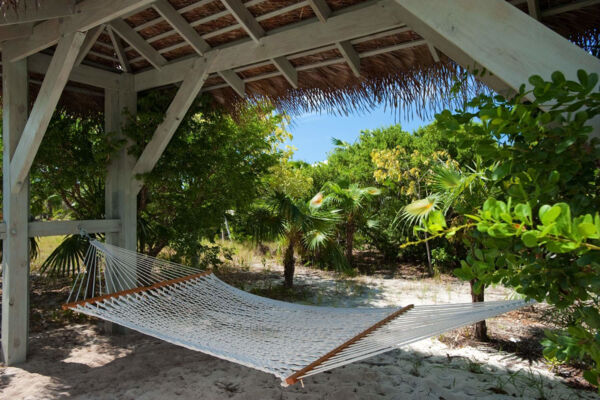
500	191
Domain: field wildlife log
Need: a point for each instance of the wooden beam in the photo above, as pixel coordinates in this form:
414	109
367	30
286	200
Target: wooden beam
88	43
325	63
287	70
212	17
375	17
245	19
43	108
60	228
39	63
321	9
88	14
15	255
569	7
138	43
34	10
434	53
233	80
533	6
182	26
498	37
187	92
116	41
350	55
15	31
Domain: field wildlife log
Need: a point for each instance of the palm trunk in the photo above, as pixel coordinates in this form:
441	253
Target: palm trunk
350	228
429	265
289	265
480	328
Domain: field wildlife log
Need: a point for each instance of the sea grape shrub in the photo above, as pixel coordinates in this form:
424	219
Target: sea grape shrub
541	233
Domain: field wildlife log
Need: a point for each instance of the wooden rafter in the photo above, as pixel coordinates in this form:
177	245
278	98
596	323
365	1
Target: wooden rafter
577	5
434	53
138	43
321	9
119	51
35	10
88	14
287	70
213	17
245	19
43	108
183	27
351	56
233	80
533	6
88	43
367	20
325	63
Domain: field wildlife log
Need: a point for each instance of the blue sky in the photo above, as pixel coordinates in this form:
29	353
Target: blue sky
313	132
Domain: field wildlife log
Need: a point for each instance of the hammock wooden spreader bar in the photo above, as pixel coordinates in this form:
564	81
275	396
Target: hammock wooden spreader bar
294	378
134	290
196	310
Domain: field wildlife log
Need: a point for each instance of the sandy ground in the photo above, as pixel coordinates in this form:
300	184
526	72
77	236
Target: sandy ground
81	363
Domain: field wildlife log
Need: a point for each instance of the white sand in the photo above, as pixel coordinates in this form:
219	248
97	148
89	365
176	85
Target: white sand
77	362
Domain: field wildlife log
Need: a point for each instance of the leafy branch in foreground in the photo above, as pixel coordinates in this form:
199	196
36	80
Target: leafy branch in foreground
526	245
541	153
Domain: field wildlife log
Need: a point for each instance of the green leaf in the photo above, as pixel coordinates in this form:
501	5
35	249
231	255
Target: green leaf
591	377
529	238
501	171
523	211
549	215
536	81
583	77
562	146
587	230
558	77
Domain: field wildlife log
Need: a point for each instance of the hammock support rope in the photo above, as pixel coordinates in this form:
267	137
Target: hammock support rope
198	311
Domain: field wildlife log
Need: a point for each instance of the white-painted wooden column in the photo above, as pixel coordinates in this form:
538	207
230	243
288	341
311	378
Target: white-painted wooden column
121	201
15	256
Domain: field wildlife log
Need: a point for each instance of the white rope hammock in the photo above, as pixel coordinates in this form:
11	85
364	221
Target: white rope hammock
196	310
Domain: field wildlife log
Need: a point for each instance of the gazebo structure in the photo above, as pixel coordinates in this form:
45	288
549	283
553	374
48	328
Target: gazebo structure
301	54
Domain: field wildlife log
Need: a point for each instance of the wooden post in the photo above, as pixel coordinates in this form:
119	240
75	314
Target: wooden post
120	200
15	259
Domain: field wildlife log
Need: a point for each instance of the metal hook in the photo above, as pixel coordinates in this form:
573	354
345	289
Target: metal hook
83	233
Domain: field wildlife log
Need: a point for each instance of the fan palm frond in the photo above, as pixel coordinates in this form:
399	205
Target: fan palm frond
415	212
67	258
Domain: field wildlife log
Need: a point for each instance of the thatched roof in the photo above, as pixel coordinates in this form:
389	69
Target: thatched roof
398	67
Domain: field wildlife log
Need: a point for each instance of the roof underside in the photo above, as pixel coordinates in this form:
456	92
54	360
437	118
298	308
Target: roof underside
395	66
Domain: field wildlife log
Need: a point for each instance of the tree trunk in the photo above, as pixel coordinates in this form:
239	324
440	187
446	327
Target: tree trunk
480	328
289	265
429	265
350	228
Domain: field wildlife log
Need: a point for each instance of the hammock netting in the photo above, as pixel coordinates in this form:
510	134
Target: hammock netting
195	309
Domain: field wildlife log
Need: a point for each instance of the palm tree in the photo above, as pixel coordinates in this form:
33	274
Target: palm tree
455	192
351	202
301	225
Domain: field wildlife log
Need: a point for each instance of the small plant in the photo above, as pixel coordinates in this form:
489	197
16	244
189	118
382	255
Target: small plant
417	362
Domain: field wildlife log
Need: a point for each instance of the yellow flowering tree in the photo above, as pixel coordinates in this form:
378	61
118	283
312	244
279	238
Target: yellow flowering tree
409	175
